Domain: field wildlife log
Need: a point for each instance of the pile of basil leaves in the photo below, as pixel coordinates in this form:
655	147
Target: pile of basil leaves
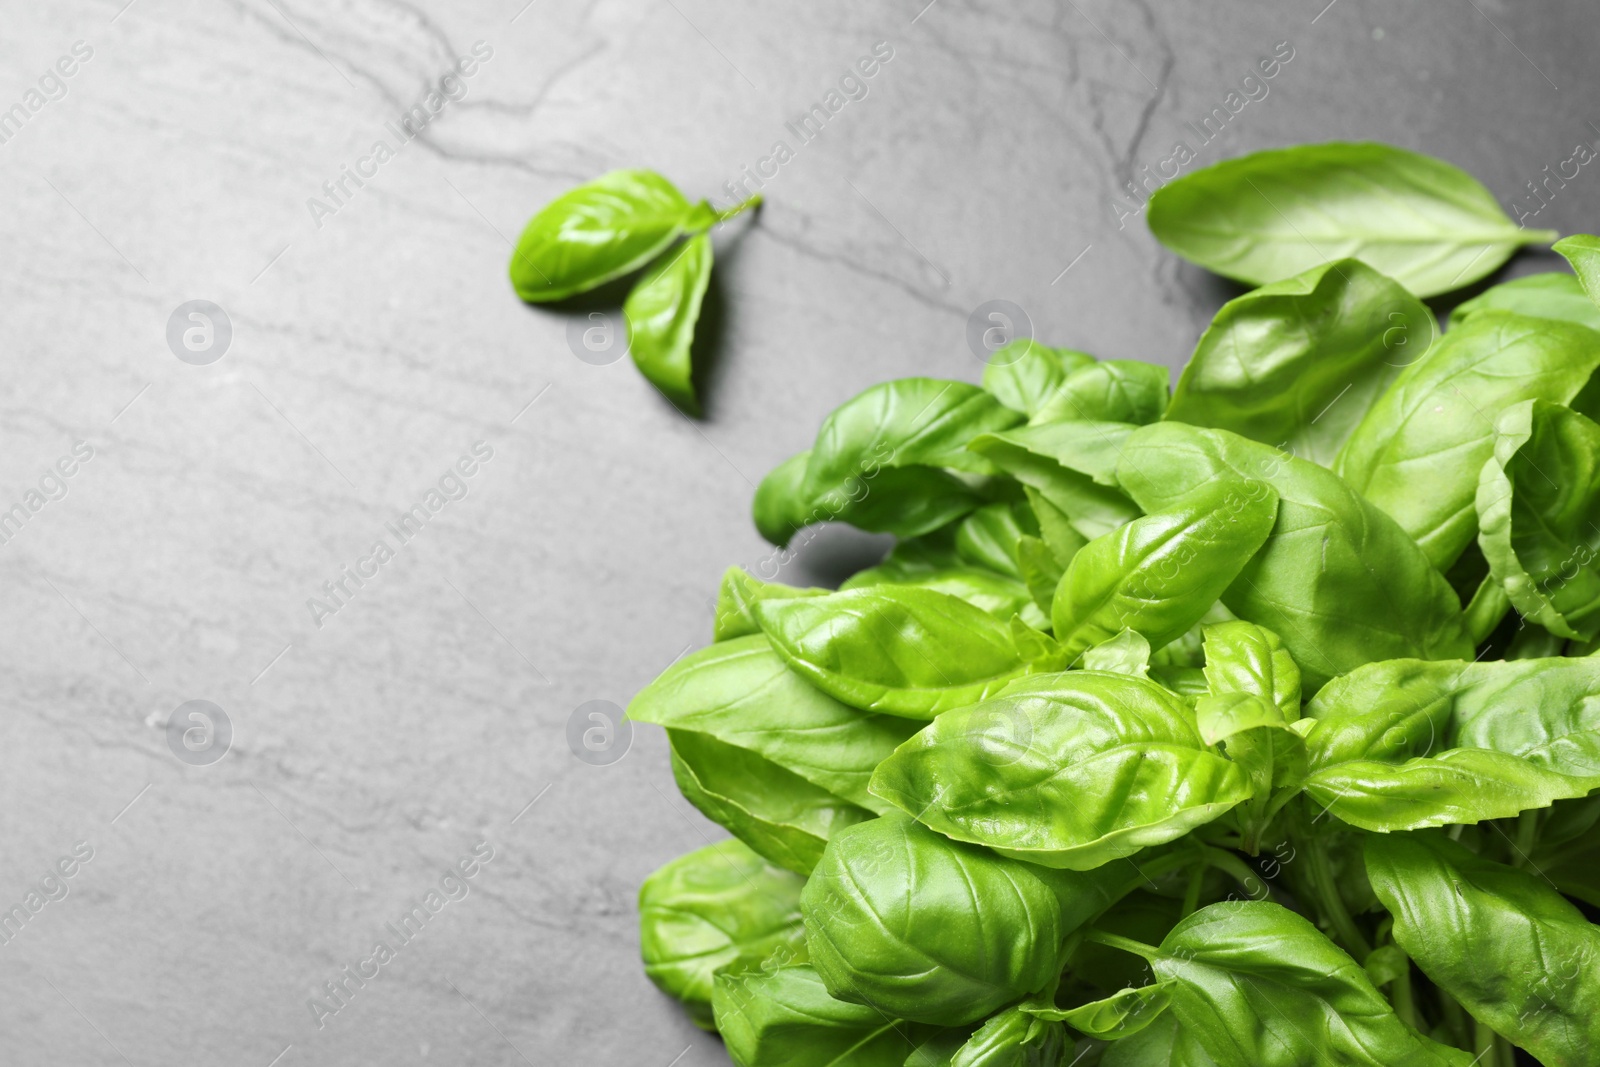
1247	724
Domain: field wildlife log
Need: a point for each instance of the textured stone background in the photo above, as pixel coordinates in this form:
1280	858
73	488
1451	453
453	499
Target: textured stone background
372	752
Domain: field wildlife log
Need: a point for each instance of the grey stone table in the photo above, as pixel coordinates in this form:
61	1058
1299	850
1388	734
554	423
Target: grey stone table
200	497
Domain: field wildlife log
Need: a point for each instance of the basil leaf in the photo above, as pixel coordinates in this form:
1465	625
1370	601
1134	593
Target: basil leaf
1113	390
596	232
785	1018
721	907
776	812
1537	500
1270	215
1024	374
780	506
1582	250
740	693
1158	575
1117	1016
1259	986
1511	949
1404	745
1066	770
1241	657
1568	849
1553	295
1013	1038
899	650
1418	451
1069	465
1126	653
996	594
1164	1044
662	311
738	593
1337	580
1297	363
927	928
988	537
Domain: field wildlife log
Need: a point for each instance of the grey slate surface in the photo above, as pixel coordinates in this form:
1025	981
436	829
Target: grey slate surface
374	344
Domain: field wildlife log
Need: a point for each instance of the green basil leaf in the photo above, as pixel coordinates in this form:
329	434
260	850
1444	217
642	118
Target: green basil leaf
1126	653
740	693
1056	531
1013	1038
1164	1044
776	812
785	1018
1066	770
1041	571
1259	986
1071	465
894	649
1337	580
1120	1015
735	597
596	232
927	928
1159	574
1501	941
1024	374
905	422
1186	683
1568	849
1404	745
780	506
1552	295
662	311
1270	215
988	537
1223	716
718	908
1537	501
1242	657
1113	390
1418	451
1582	250
1297	363
997	594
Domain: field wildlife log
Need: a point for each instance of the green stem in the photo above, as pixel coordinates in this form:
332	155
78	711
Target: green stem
1332	904
1527	830
1483	1043
1236	869
1405	1005
1126	944
1454	1018
753	202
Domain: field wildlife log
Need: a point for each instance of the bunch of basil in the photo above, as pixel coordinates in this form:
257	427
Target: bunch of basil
1252	725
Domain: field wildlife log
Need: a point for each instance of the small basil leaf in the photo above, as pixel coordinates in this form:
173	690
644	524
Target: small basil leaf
901	423
1418	451
1582	250
1337	580
1071	465
785	1018
1126	653
1241	657
1013	1038
662	311
596	232
776	812
1024	374
721	907
988	537
1297	363
1537	501
1041	572
894	649
1056	530
738	592
780	506
1159	574
997	594
1114	390
927	928
1270	215
1066	770
1553	295
1511	949
1164	1044
1259	986
1117	1016
740	693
